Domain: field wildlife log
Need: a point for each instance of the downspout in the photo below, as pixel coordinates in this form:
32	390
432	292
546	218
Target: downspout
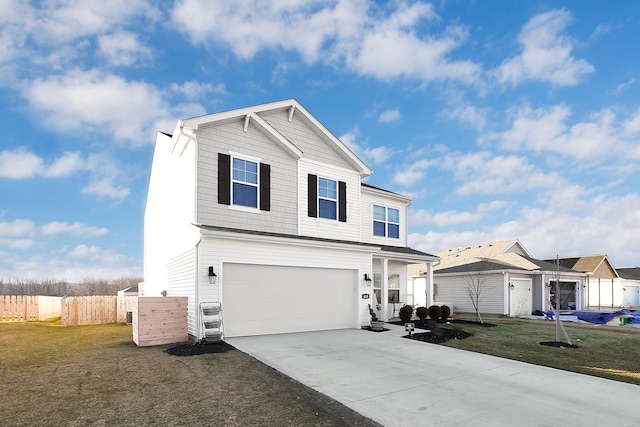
196	294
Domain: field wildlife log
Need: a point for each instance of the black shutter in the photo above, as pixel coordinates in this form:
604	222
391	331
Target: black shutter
312	181
342	201
265	187
224	179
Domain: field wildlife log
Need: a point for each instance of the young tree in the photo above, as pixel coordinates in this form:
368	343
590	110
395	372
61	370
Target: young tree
476	287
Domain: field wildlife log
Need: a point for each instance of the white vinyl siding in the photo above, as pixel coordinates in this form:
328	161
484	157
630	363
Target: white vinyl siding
453	289
181	281
319	227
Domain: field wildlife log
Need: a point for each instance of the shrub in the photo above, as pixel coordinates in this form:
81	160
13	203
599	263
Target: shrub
406	312
435	312
446	311
422	313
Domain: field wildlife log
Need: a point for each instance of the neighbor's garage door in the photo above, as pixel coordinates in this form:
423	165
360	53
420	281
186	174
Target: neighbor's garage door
262	299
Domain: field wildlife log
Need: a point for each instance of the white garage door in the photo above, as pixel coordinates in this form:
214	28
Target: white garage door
263	299
520	297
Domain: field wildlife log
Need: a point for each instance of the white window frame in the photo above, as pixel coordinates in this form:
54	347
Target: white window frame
335	200
386	221
244	158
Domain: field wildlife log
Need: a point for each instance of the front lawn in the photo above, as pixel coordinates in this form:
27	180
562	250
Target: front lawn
95	375
604	351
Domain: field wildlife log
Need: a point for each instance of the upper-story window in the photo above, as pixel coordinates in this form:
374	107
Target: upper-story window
386	222
244	182
327	198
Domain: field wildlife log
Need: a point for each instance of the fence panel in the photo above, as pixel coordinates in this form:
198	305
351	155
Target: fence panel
18	308
88	310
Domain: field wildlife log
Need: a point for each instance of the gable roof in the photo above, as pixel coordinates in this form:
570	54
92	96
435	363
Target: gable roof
478	266
485	251
587	264
292	107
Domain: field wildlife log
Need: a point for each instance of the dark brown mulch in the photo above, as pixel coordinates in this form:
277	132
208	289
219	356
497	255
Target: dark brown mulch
559	344
368	328
194	349
419	324
439	335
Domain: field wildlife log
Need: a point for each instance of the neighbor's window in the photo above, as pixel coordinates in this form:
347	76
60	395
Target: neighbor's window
245	183
386	222
327	198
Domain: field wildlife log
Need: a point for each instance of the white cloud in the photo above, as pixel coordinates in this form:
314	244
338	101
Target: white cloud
18	227
623	86
19	164
411	175
376	155
67	164
546	130
345	32
546	53
95	101
388	116
123	49
473	116
105	187
17	243
443	219
76	228
487	173
196	90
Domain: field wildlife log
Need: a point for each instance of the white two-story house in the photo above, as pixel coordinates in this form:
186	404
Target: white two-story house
263	210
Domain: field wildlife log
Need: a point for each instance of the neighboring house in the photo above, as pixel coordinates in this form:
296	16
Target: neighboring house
629	278
509	280
603	289
263	210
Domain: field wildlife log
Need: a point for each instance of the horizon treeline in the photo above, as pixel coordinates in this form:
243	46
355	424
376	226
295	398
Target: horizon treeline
58	288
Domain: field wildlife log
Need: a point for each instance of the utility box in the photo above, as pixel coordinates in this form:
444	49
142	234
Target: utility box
160	320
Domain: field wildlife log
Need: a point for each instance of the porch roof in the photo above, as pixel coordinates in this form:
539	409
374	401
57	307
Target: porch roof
399	253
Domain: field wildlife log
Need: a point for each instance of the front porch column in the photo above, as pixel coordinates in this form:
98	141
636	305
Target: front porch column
384	295
430	288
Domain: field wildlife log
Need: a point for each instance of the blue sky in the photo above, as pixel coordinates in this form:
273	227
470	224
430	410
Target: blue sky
502	119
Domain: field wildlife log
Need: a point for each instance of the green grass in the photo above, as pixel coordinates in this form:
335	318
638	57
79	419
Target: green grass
604	351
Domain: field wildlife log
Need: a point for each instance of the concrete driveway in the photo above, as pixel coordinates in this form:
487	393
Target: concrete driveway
400	382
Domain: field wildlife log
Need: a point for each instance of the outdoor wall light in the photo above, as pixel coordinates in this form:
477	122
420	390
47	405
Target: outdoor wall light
511	286
367	278
212	276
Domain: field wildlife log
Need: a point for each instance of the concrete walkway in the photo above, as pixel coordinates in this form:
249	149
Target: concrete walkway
400	382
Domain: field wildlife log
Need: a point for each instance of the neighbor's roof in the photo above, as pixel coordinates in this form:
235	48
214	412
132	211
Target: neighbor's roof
479	266
586	264
629	273
485	251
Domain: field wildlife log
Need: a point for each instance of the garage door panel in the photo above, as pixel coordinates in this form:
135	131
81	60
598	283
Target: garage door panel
259	299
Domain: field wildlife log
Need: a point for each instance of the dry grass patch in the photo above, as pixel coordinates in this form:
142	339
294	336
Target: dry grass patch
95	375
604	351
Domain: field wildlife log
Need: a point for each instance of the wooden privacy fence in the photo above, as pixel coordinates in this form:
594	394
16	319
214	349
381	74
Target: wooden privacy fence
85	310
18	308
89	310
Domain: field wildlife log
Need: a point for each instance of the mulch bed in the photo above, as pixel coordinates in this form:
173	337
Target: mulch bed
419	324
368	328
194	349
439	335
